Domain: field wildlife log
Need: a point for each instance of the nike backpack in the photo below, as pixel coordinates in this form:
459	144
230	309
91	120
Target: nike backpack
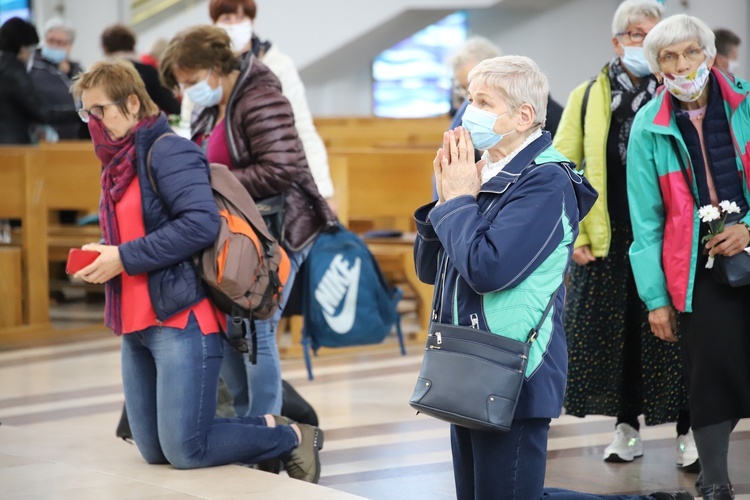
346	299
245	269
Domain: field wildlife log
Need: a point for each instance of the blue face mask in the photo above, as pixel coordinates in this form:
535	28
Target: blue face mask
54	55
635	61
203	95
480	125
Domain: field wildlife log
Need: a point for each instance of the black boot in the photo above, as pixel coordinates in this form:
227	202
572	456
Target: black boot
672	495
717	492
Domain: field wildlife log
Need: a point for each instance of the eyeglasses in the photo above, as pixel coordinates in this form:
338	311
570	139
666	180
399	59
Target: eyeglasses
634	36
95	111
669	59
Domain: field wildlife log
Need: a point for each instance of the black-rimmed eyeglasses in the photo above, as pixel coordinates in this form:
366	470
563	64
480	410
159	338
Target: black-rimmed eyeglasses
96	111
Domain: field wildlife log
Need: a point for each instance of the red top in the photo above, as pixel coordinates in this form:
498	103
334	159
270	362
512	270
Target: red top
217	149
137	311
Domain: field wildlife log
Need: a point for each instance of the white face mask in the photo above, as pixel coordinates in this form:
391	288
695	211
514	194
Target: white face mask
687	88
734	67
239	33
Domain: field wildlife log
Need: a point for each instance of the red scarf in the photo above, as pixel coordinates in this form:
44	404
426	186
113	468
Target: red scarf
118	171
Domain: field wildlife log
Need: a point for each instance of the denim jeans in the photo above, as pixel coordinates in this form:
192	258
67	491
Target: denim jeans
256	389
170	377
508	465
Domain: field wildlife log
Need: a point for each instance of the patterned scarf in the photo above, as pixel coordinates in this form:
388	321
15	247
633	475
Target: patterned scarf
118	171
627	99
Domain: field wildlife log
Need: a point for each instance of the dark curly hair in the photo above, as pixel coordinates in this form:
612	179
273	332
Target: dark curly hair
16	33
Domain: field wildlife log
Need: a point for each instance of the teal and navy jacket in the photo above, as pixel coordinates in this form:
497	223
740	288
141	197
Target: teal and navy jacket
496	260
666	226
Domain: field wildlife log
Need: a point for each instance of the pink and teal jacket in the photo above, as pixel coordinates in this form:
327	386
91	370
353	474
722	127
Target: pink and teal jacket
666	226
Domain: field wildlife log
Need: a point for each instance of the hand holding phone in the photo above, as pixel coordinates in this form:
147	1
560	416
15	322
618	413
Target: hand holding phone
79	258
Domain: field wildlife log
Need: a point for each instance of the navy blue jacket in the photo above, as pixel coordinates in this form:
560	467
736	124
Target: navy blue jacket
496	260
180	221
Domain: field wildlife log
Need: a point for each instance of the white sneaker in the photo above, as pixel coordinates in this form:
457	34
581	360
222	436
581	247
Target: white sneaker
687	453
626	446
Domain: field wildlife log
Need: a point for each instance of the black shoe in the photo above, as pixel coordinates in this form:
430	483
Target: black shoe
673	495
717	492
272	466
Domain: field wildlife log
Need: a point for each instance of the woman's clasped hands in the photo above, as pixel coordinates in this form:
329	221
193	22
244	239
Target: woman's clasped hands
456	174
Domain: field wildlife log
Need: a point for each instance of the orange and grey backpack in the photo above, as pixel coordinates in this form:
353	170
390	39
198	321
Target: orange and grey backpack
245	269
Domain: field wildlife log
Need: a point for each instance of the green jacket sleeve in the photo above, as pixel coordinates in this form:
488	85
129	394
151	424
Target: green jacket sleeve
647	218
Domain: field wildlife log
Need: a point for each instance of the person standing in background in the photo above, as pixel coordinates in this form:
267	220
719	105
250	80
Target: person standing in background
53	72
20	107
247	124
616	366
118	41
153	56
236	17
727	51
690	148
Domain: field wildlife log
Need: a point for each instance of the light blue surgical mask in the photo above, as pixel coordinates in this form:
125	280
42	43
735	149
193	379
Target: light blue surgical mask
635	61
54	55
480	125
203	95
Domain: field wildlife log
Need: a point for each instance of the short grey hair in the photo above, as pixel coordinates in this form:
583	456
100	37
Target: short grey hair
518	80
57	23
677	29
633	11
475	49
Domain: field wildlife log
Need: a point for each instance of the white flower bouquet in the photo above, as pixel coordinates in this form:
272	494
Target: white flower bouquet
716	218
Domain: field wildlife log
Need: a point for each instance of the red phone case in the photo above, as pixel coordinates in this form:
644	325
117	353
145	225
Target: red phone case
78	259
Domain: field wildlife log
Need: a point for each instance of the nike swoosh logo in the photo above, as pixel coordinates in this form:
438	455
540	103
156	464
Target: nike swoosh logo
340	284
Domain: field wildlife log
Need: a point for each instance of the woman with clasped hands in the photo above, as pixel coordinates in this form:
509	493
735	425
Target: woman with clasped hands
496	245
701	121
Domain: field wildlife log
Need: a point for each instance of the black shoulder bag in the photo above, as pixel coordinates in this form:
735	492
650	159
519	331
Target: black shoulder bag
733	271
471	377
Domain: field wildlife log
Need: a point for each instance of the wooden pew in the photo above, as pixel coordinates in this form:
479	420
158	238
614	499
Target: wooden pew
33	182
385	186
382	133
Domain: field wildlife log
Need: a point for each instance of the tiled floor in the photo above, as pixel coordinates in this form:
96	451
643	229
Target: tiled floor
59	406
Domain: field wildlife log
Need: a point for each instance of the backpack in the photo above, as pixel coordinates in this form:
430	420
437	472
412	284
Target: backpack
245	269
346	299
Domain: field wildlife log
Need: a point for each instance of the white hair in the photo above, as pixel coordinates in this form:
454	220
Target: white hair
677	29
518	80
474	49
633	11
57	23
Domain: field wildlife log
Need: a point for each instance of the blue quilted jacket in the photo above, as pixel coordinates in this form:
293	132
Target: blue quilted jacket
180	221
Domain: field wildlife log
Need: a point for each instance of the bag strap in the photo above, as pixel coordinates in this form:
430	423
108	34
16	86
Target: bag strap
149	170
533	333
684	170
585	104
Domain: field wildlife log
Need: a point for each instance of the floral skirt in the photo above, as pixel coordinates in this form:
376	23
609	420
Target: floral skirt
616	366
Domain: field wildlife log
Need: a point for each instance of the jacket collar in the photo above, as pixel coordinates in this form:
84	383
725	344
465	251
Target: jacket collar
731	91
517	165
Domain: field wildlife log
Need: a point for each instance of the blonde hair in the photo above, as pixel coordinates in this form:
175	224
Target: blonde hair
518	80
474	50
119	80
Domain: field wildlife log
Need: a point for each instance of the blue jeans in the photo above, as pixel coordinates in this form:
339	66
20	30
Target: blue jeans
508	465
256	389
170	377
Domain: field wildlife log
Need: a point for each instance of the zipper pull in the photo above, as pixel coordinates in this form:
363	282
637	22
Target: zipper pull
439	338
474	320
434	315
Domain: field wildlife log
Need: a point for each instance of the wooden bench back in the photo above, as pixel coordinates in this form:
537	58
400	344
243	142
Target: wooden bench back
386	186
382	133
